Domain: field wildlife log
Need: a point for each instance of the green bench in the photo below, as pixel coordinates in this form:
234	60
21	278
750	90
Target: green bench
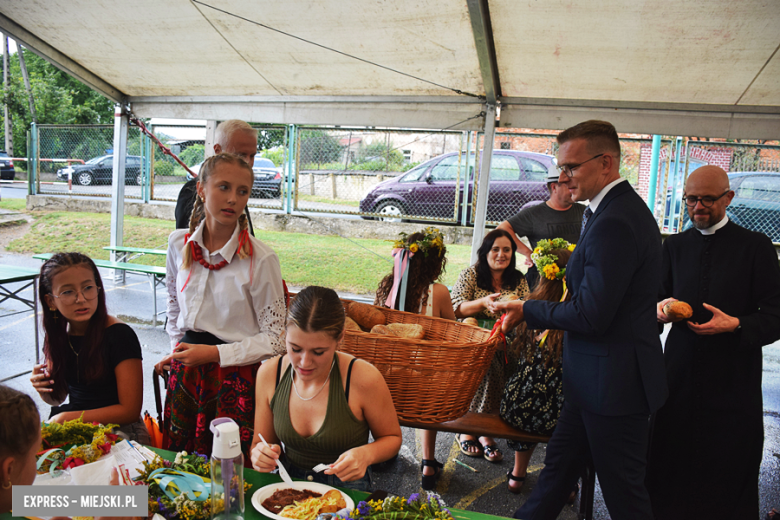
155	274
122	252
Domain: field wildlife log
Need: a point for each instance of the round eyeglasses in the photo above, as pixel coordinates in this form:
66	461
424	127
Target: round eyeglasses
707	202
70	296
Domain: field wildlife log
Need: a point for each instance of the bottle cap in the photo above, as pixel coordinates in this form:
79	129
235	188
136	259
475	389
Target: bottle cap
227	439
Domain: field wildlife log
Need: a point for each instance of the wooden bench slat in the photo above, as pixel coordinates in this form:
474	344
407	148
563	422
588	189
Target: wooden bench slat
479	424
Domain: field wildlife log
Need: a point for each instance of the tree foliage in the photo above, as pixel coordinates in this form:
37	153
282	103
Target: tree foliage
58	98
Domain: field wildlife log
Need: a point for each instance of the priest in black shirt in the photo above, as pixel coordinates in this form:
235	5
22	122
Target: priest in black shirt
707	439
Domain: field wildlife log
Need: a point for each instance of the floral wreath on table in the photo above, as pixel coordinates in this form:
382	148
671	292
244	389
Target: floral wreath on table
544	259
417	507
433	239
87	442
180	490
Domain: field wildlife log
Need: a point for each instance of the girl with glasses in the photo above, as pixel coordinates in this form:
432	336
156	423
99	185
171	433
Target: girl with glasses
91	358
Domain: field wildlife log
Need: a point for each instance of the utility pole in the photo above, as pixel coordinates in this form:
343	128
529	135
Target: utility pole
9	138
26	82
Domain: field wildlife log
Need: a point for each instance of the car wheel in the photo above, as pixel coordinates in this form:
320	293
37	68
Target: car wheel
84	178
390	211
139	179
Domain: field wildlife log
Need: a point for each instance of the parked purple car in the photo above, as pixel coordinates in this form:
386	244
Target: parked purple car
428	190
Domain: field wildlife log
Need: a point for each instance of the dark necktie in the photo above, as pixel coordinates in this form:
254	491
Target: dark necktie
585	217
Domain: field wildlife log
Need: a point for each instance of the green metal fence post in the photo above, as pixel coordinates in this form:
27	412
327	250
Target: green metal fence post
32	163
290	167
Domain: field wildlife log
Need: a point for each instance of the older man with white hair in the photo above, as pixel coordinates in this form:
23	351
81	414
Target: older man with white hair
232	136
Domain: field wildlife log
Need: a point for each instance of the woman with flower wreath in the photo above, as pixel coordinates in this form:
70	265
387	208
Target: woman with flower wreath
225	310
92	358
533	396
420	258
495	275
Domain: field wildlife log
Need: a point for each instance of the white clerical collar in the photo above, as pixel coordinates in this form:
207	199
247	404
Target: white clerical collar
595	201
712	229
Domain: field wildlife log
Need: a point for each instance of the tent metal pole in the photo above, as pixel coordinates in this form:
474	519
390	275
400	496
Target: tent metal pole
484	180
121	124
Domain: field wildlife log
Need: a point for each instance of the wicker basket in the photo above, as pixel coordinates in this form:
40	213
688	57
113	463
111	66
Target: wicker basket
431	380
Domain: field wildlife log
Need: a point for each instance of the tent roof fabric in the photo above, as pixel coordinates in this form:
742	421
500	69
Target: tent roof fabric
669	66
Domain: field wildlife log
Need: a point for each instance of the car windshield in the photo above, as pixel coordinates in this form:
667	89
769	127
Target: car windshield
3	154
96	160
262	162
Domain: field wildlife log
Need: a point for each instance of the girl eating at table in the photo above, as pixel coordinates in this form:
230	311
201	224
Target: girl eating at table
225	310
92	358
322	404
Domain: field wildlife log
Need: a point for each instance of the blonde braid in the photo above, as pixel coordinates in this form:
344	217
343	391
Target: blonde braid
197	215
245	248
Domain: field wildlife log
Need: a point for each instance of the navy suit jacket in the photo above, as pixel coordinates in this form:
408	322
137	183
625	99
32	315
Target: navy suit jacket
612	357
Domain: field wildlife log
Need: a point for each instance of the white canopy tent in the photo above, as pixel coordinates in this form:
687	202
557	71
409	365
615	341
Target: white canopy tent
680	67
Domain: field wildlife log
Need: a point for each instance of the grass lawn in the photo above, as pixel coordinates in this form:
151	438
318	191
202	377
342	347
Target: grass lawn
330	261
13	204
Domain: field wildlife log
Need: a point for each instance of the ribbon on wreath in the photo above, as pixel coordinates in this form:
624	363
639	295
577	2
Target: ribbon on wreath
174	483
401	258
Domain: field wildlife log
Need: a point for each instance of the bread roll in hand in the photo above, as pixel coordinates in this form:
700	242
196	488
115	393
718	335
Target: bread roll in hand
471	321
677	310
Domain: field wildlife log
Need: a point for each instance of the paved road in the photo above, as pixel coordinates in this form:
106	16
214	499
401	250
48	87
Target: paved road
484	491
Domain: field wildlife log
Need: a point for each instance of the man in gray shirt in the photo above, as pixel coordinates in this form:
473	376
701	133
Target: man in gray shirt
559	217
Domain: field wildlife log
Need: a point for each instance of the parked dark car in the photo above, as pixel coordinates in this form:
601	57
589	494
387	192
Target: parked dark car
7	172
756	203
428	190
99	170
268	178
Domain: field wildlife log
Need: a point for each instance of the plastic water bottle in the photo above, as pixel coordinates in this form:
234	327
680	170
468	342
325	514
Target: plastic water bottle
227	471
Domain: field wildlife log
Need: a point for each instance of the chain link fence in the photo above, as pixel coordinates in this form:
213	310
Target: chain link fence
385	174
396	175
84	154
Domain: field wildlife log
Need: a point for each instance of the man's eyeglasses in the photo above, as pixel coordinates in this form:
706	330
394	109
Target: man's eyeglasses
70	296
568	169
705	201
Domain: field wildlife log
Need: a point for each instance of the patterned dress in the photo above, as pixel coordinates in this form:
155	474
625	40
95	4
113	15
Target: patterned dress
533	398
490	390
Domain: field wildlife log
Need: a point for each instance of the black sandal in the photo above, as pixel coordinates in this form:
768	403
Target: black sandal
428	482
470	444
510	477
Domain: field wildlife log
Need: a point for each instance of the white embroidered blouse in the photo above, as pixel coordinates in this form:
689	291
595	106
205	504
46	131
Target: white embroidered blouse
248	316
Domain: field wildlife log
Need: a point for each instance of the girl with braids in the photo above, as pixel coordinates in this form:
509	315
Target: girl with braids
494	275
225	310
91	357
423	296
533	396
322	404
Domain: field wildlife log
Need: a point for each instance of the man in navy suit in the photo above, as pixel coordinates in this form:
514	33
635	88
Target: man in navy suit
613	368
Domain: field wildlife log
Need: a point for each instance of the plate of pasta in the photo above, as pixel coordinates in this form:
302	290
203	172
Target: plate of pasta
299	500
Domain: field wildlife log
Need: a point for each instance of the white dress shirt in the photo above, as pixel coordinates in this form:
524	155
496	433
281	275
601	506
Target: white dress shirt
595	201
247	315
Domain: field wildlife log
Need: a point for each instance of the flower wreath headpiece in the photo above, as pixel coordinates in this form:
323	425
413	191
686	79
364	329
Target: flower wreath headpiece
402	253
545	260
432	239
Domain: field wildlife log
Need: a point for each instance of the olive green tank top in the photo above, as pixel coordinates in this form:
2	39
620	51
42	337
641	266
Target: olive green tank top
341	430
